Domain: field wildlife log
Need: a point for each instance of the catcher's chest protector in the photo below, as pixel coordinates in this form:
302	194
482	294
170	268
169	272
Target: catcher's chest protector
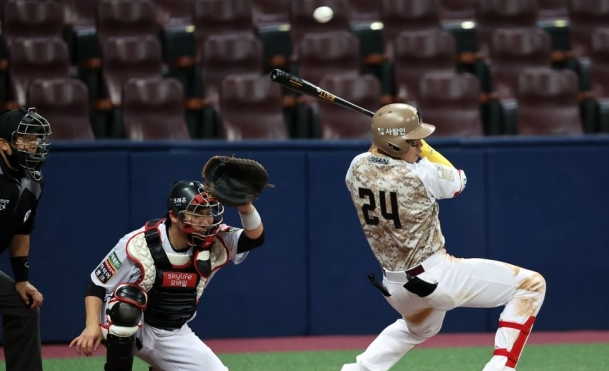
172	300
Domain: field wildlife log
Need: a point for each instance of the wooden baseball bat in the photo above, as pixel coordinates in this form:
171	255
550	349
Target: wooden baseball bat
299	85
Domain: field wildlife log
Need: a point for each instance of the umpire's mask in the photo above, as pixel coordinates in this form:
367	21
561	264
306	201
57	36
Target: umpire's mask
27	133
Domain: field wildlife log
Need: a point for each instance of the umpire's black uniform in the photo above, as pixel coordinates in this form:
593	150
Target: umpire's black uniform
19	197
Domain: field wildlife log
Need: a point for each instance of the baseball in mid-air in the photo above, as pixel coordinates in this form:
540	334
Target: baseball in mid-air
323	14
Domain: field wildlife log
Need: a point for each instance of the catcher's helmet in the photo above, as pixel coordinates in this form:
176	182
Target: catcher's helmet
33	131
393	124
189	201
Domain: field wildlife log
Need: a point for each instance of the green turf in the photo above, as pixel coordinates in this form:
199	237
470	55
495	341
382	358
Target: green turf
580	357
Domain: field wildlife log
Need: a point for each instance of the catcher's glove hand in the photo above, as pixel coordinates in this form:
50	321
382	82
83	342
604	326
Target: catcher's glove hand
234	181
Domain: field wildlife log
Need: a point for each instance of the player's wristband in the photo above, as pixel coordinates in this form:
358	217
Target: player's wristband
21	268
251	221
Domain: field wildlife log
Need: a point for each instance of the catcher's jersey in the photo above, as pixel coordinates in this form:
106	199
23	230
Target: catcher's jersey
119	266
397	208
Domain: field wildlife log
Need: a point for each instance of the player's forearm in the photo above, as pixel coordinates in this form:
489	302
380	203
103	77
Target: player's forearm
93	306
251	221
432	155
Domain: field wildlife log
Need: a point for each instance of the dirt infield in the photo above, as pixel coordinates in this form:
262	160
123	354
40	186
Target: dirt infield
356	342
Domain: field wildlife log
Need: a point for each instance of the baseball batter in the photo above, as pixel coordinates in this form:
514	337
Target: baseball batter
146	290
395	187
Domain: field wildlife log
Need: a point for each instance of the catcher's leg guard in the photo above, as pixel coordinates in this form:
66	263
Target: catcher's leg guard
124	315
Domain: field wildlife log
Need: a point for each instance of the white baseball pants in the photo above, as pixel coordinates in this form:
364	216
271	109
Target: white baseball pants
179	350
475	283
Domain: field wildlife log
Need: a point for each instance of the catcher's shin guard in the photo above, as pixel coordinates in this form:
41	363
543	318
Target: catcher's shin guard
513	354
124	315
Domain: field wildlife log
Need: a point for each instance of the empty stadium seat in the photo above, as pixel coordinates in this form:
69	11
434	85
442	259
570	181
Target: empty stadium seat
271	12
80	21
451	102
218	17
419	52
125	18
64	102
512	50
548	102
328	53
38	58
80	14
364	11
553	9
303	22
174	13
584	17
337	122
494	14
251	108
457	10
227	55
129	57
29	19
153	108
407	15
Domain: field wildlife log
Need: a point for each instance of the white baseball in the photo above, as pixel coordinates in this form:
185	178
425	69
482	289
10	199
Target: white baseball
323	14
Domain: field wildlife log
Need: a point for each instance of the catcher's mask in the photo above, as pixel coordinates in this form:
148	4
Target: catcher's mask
200	214
395	123
27	134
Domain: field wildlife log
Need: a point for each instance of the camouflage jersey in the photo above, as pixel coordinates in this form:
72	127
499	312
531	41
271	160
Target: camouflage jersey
397	208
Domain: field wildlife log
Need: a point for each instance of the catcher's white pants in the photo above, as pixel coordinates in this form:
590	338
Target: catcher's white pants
179	350
476	283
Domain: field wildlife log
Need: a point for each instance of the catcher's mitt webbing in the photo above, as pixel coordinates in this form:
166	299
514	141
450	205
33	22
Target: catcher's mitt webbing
234	181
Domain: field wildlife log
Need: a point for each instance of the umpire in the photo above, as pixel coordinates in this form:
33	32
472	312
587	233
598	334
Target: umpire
23	148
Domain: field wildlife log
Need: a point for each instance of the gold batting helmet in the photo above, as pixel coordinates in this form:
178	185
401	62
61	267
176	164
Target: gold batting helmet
393	124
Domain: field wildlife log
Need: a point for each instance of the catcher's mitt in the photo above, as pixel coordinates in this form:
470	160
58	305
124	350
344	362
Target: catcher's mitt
234	181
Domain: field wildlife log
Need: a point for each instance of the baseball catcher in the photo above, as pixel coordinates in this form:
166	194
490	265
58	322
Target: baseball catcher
234	181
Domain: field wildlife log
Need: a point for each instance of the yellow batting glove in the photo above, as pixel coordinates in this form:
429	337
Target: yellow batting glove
432	155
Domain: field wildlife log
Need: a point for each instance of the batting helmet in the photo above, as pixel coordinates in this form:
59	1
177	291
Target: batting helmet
393	124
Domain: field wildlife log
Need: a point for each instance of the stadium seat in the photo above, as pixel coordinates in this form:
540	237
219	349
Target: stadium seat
548	102
174	13
364	11
451	102
225	55
125	18
331	53
153	108
585	16
251	108
457	10
303	22
271	13
80	14
219	17
129	57
494	14
37	58
337	122
30	19
512	50
418	52
553	9
64	102
407	15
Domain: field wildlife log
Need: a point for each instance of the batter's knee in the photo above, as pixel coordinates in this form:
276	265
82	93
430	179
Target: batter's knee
536	284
